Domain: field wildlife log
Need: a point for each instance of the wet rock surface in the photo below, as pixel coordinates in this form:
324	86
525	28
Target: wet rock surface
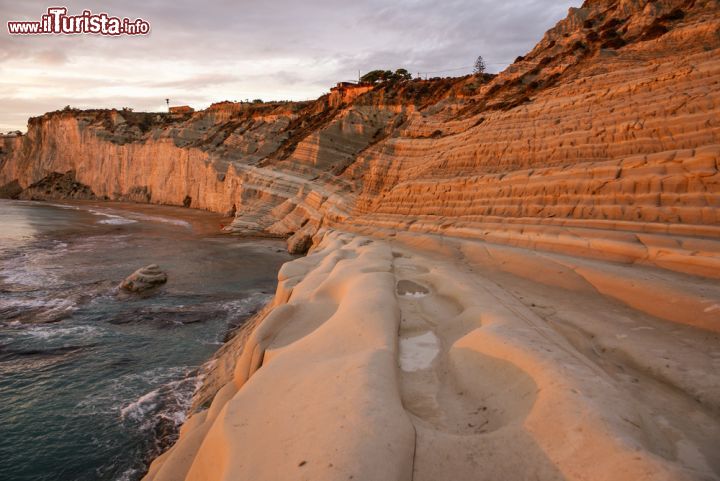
144	279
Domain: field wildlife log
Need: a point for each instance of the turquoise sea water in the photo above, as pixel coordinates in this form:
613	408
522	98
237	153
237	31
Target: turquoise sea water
94	382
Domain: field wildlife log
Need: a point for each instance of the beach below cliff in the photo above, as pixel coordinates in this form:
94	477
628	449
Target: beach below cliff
95	382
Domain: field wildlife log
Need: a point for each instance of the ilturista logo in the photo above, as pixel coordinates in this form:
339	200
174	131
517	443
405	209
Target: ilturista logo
57	21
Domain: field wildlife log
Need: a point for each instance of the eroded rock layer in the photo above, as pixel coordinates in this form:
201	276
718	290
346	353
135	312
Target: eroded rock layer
609	124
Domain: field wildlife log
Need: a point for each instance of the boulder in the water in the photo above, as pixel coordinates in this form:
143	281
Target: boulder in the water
144	278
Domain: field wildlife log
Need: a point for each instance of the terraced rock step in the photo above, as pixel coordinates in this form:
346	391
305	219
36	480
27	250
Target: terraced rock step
618	136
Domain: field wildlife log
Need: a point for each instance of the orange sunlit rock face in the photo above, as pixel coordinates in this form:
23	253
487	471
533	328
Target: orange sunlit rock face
579	341
577	134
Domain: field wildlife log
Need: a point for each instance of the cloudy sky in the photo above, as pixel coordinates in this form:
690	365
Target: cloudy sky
200	52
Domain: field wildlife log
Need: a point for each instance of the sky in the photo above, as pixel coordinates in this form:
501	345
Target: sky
200	52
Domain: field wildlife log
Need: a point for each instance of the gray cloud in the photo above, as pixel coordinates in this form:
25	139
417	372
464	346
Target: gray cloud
227	49
199	81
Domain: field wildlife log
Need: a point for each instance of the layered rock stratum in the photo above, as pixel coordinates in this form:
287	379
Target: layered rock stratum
510	277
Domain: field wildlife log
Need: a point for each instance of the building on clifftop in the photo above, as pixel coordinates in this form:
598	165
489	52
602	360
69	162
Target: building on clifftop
181	110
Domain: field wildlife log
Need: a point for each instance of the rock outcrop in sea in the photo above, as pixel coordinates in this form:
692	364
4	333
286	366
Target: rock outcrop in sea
509	277
144	279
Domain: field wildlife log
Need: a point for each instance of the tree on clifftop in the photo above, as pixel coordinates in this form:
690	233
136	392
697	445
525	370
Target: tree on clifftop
376	76
479	68
402	74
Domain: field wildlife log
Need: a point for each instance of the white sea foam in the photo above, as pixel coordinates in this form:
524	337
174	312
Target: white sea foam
32	267
112	219
134	217
144	404
64	206
173	390
42	310
166	220
54	331
29	276
169	402
246	304
130	474
34	303
117	221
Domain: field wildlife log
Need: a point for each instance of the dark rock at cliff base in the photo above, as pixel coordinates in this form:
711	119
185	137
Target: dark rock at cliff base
11	190
166	317
299	244
58	186
144	279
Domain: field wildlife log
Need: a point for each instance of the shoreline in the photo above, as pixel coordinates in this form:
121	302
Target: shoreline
204	221
70	329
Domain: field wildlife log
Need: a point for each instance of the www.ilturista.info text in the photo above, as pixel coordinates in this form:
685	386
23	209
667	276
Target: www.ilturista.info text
57	21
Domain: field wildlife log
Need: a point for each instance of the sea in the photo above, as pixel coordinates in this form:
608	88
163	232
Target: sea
95	382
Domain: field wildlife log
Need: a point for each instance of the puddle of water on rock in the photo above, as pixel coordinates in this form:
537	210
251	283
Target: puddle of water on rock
418	352
408	288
